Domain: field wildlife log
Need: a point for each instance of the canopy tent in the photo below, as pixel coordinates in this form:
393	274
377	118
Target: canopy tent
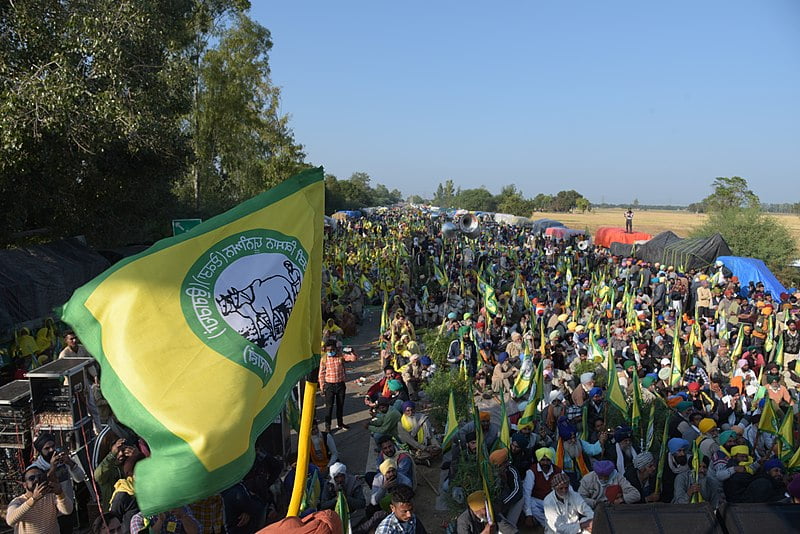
36	279
344	215
653	250
752	270
695	253
562	232
622	249
511	220
540	225
605	235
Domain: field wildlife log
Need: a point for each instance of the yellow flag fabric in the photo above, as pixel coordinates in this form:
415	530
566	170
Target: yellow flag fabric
614	393
202	336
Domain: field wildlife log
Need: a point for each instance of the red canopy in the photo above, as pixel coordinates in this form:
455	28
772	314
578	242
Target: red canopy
605	235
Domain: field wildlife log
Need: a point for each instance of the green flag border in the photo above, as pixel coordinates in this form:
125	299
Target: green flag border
167	493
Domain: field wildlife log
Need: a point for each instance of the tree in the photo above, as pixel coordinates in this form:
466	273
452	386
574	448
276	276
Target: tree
752	233
445	195
565	200
416	199
93	94
243	145
479	199
543	202
583	205
510	200
730	192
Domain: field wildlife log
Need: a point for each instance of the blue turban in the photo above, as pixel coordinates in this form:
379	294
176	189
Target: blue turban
595	391
408	404
676	444
425	360
566	430
772	463
503	356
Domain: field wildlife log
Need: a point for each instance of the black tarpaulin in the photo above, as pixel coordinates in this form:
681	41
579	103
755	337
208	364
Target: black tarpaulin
35	279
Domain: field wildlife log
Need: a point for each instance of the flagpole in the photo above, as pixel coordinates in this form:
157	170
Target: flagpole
303	441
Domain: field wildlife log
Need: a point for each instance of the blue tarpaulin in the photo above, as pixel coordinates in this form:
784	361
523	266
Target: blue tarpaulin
747	269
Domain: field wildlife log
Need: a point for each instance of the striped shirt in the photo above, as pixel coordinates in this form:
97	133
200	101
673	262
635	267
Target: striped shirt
37	517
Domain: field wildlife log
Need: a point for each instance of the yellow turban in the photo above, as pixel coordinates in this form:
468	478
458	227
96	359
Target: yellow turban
476	501
740	449
387	464
545	451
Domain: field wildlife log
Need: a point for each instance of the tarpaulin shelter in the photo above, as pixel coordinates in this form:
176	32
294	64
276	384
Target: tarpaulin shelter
695	253
605	235
562	232
35	279
540	225
622	249
752	270
653	250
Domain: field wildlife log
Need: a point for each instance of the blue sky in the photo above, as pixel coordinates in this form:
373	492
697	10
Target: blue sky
617	100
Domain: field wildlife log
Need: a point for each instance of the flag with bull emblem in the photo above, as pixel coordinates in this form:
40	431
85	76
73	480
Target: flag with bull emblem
202	336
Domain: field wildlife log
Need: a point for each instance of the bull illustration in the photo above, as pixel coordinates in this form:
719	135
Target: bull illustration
267	303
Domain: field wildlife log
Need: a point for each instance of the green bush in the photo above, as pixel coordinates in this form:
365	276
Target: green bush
600	375
438	392
436	346
752	233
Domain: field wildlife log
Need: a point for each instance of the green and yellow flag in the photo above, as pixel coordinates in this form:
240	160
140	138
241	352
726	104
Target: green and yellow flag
451	429
503	440
677	360
614	394
529	414
785	432
779	351
769	420
696	461
202	336
343	509
636	402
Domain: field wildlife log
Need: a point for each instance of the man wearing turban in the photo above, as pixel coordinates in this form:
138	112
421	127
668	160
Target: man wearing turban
536	485
604	475
564	509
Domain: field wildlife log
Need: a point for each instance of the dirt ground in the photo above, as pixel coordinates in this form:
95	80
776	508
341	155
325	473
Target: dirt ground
356	448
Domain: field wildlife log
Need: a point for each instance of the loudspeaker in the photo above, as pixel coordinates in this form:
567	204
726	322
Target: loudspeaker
656	519
765	518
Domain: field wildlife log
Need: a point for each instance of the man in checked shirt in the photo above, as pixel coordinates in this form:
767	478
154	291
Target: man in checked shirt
332	383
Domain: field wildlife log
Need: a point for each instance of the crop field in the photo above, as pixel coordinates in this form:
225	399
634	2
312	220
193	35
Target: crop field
652	222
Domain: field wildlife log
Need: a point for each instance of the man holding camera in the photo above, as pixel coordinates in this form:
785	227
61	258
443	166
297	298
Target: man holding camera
37	510
61	469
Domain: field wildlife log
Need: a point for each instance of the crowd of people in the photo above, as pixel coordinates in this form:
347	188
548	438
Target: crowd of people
617	382
570	339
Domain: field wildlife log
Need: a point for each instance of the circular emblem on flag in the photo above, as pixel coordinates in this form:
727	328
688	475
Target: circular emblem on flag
239	295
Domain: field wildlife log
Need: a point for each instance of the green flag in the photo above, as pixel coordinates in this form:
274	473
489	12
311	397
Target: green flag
344	512
769	420
614	393
662	457
232	318
504	439
785	432
523	381
677	361
779	351
696	461
529	414
636	402
651	427
452	423
441	276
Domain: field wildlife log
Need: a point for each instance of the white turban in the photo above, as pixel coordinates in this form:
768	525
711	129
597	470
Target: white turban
338	469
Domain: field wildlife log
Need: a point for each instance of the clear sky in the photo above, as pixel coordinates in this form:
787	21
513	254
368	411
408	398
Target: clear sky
617	100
